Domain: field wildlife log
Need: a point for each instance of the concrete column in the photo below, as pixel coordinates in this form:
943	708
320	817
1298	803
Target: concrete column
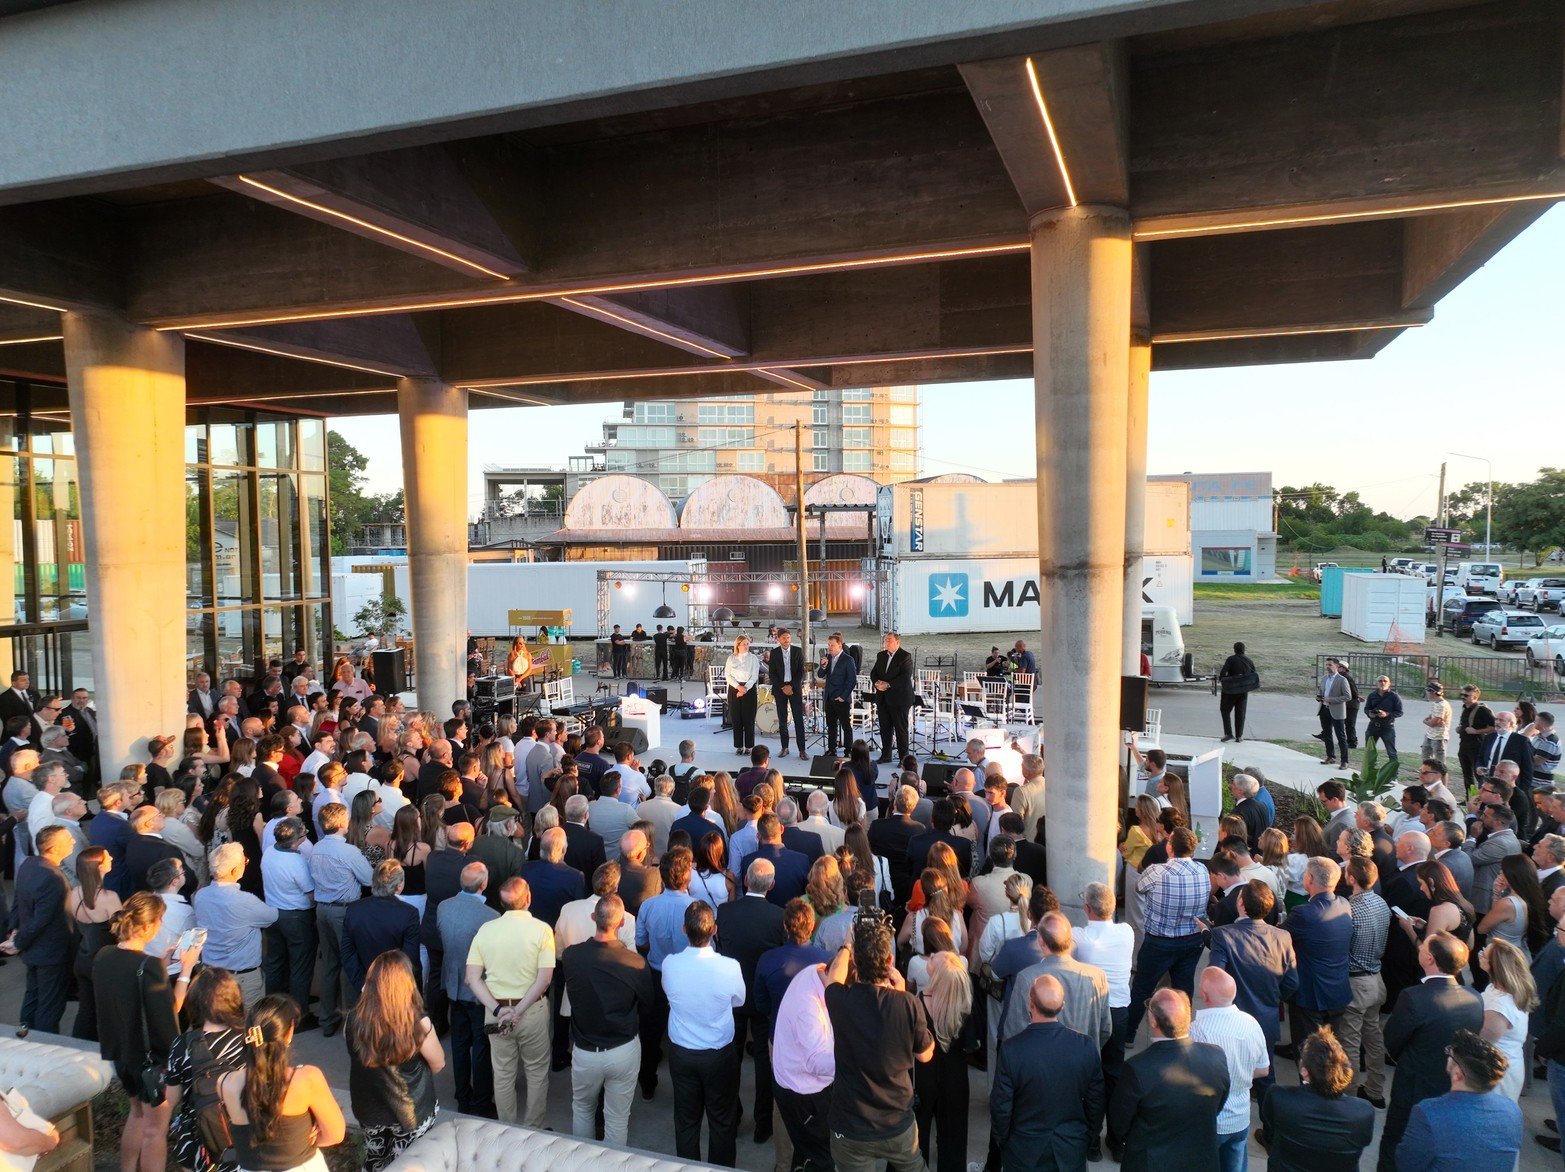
434	482
1081	264
127	395
1135	499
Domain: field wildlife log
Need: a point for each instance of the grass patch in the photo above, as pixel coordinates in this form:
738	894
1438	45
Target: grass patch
1244	591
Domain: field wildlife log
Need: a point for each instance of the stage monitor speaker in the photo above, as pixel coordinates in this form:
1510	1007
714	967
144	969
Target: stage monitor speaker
391	672
936	777
658	696
823	765
634	737
1132	703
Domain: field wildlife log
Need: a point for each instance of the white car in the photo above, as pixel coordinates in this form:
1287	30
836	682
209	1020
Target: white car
1320	569
1548	646
1541	594
1511	592
1500	628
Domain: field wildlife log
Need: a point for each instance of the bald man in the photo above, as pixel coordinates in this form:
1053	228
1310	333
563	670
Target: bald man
1166	1104
1243	1043
1046	1105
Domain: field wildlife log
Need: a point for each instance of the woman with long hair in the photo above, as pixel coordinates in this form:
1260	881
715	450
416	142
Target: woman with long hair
1520	913
241	757
824	890
936	938
1140	834
371	838
1307	842
280	1114
138	1020
725	801
1449	910
867	774
1008	925
215	1043
943	859
1510	996
409	848
1272	867
92	907
855	840
940	1086
432	821
393	1056
709	878
940	904
1171	788
213	827
292	760
742	673
1168	821
499	768
847	808
245	823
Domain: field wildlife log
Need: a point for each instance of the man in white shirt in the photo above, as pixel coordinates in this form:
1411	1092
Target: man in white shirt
1437	722
1109	946
165	878
831	836
542	761
327	782
608	818
703	990
324	746
1239	1037
633	786
69	810
202	700
48	781
661	810
285	804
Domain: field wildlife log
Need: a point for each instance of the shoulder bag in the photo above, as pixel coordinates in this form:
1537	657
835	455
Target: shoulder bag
149	1080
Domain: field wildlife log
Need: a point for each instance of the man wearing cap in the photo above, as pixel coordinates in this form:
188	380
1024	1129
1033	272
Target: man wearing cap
1437	722
499	849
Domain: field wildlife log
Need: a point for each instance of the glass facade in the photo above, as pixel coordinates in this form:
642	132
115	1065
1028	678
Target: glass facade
257	541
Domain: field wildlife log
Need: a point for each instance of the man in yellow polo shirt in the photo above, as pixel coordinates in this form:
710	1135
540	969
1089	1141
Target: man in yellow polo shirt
509	967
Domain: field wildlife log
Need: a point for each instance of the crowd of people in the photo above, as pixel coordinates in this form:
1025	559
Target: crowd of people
514	901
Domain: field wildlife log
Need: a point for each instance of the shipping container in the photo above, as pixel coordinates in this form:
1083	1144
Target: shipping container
1381	608
1331	588
954	595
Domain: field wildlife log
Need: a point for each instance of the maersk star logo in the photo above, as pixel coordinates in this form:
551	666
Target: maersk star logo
947	595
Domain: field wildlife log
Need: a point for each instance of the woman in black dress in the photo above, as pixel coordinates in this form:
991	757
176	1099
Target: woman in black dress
394	1056
215	1045
244	827
93	907
940	1085
281	1115
138	1015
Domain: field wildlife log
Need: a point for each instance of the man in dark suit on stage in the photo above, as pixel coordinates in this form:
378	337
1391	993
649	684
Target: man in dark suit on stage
840	674
892	677
1169	1095
20	699
1046	1108
785	670
748	927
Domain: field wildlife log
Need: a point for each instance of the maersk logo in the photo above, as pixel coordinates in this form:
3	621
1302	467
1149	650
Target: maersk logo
948	595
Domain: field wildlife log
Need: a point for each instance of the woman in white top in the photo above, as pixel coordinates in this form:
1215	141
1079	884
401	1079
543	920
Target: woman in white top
934	936
939	905
1510	996
742	672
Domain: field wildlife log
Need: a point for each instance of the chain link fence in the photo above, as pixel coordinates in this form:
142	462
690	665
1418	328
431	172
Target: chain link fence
1496	677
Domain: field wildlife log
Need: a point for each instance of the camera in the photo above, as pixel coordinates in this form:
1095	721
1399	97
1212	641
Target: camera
870	913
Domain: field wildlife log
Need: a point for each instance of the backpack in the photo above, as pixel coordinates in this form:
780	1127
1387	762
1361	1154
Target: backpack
206	1101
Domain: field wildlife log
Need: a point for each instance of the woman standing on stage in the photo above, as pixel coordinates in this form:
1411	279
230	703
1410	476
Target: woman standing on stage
743	672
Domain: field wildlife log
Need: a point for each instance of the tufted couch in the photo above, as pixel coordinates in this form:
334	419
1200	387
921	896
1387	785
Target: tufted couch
482	1145
59	1082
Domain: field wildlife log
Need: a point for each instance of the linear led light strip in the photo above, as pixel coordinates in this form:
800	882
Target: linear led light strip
369	227
218	340
1048	126
641	327
616	287
32	304
1287	332
1338	217
24	341
769	372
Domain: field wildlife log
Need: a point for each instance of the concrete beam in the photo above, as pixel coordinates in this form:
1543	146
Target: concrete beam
388	345
1272	351
19	322
61	256
1443	251
712	320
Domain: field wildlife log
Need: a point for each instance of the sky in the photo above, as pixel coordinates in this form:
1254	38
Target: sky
1484	377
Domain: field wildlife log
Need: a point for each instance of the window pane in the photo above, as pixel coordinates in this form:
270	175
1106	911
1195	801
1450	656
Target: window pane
904	437
819	461
902	461
855	437
195	443
631	436
857	413
750	461
860	395
232	439
62	586
312	445
654	412
13	594
725	413
818	415
198	635
236	643
903	415
856	461
313	556
233	535
274	444
280	570
729	437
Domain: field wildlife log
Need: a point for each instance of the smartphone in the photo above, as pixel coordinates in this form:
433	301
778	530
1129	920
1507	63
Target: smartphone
1400	914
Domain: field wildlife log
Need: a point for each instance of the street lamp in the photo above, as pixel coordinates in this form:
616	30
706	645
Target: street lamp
1488	525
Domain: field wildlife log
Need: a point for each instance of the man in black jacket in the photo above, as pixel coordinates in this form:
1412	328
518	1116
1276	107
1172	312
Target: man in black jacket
1166	1105
1234	683
442	880
1046	1108
785	670
146	846
1418	1031
942	818
43	931
381	922
892	677
747	927
889	838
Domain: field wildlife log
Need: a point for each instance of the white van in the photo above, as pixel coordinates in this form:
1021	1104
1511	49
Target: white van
1480	577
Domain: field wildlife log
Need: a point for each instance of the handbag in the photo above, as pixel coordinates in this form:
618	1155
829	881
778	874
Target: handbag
149	1080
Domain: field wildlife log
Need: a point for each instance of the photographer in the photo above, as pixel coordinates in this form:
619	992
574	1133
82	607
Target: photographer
879	1032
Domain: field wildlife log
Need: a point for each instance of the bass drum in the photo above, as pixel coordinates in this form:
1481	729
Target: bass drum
766	718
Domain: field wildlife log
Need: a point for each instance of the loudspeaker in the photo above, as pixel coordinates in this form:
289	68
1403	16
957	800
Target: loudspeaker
1132	703
823	765
391	671
658	696
936	777
634	737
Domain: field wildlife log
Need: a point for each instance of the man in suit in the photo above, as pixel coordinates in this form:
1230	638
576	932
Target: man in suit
1169	1095
841	679
442	880
1046	1105
144	846
1495	841
638	882
1259	958
83	743
1506	744
890	837
1086	986
1445	841
1032	858
552	881
1418	1031
44	938
790	868
1227	883
110	828
1370	817
608	817
584	850
1243	787
747	928
794	837
1334	796
892	679
201	700
380	923
1471	1126
20	699
942	817
460	917
696	823
785	670
1549	853
1322	931
1400	889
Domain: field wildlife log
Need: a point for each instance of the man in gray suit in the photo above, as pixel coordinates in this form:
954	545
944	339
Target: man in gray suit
1445	843
1496	841
1086	987
1333	697
1334	796
459	919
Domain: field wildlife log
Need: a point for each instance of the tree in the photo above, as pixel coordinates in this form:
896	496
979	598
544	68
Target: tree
351	510
1317	518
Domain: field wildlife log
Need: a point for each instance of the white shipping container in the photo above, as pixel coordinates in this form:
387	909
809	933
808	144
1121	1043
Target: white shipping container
350	592
955	595
1382	607
495	588
1001	520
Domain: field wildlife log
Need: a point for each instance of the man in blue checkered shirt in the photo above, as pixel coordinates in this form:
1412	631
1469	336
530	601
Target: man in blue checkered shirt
1173	901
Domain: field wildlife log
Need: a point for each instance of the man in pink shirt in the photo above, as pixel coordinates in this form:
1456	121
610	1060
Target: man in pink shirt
803	1066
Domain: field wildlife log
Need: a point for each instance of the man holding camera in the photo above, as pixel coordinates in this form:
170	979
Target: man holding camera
879	1032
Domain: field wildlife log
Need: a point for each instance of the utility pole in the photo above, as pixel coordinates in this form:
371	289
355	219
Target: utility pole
804	546
1445	549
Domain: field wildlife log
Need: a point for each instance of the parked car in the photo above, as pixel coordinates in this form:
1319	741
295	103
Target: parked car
1480	577
1457	614
1398	565
1542	594
1511	592
1320	569
1548	645
1505	628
